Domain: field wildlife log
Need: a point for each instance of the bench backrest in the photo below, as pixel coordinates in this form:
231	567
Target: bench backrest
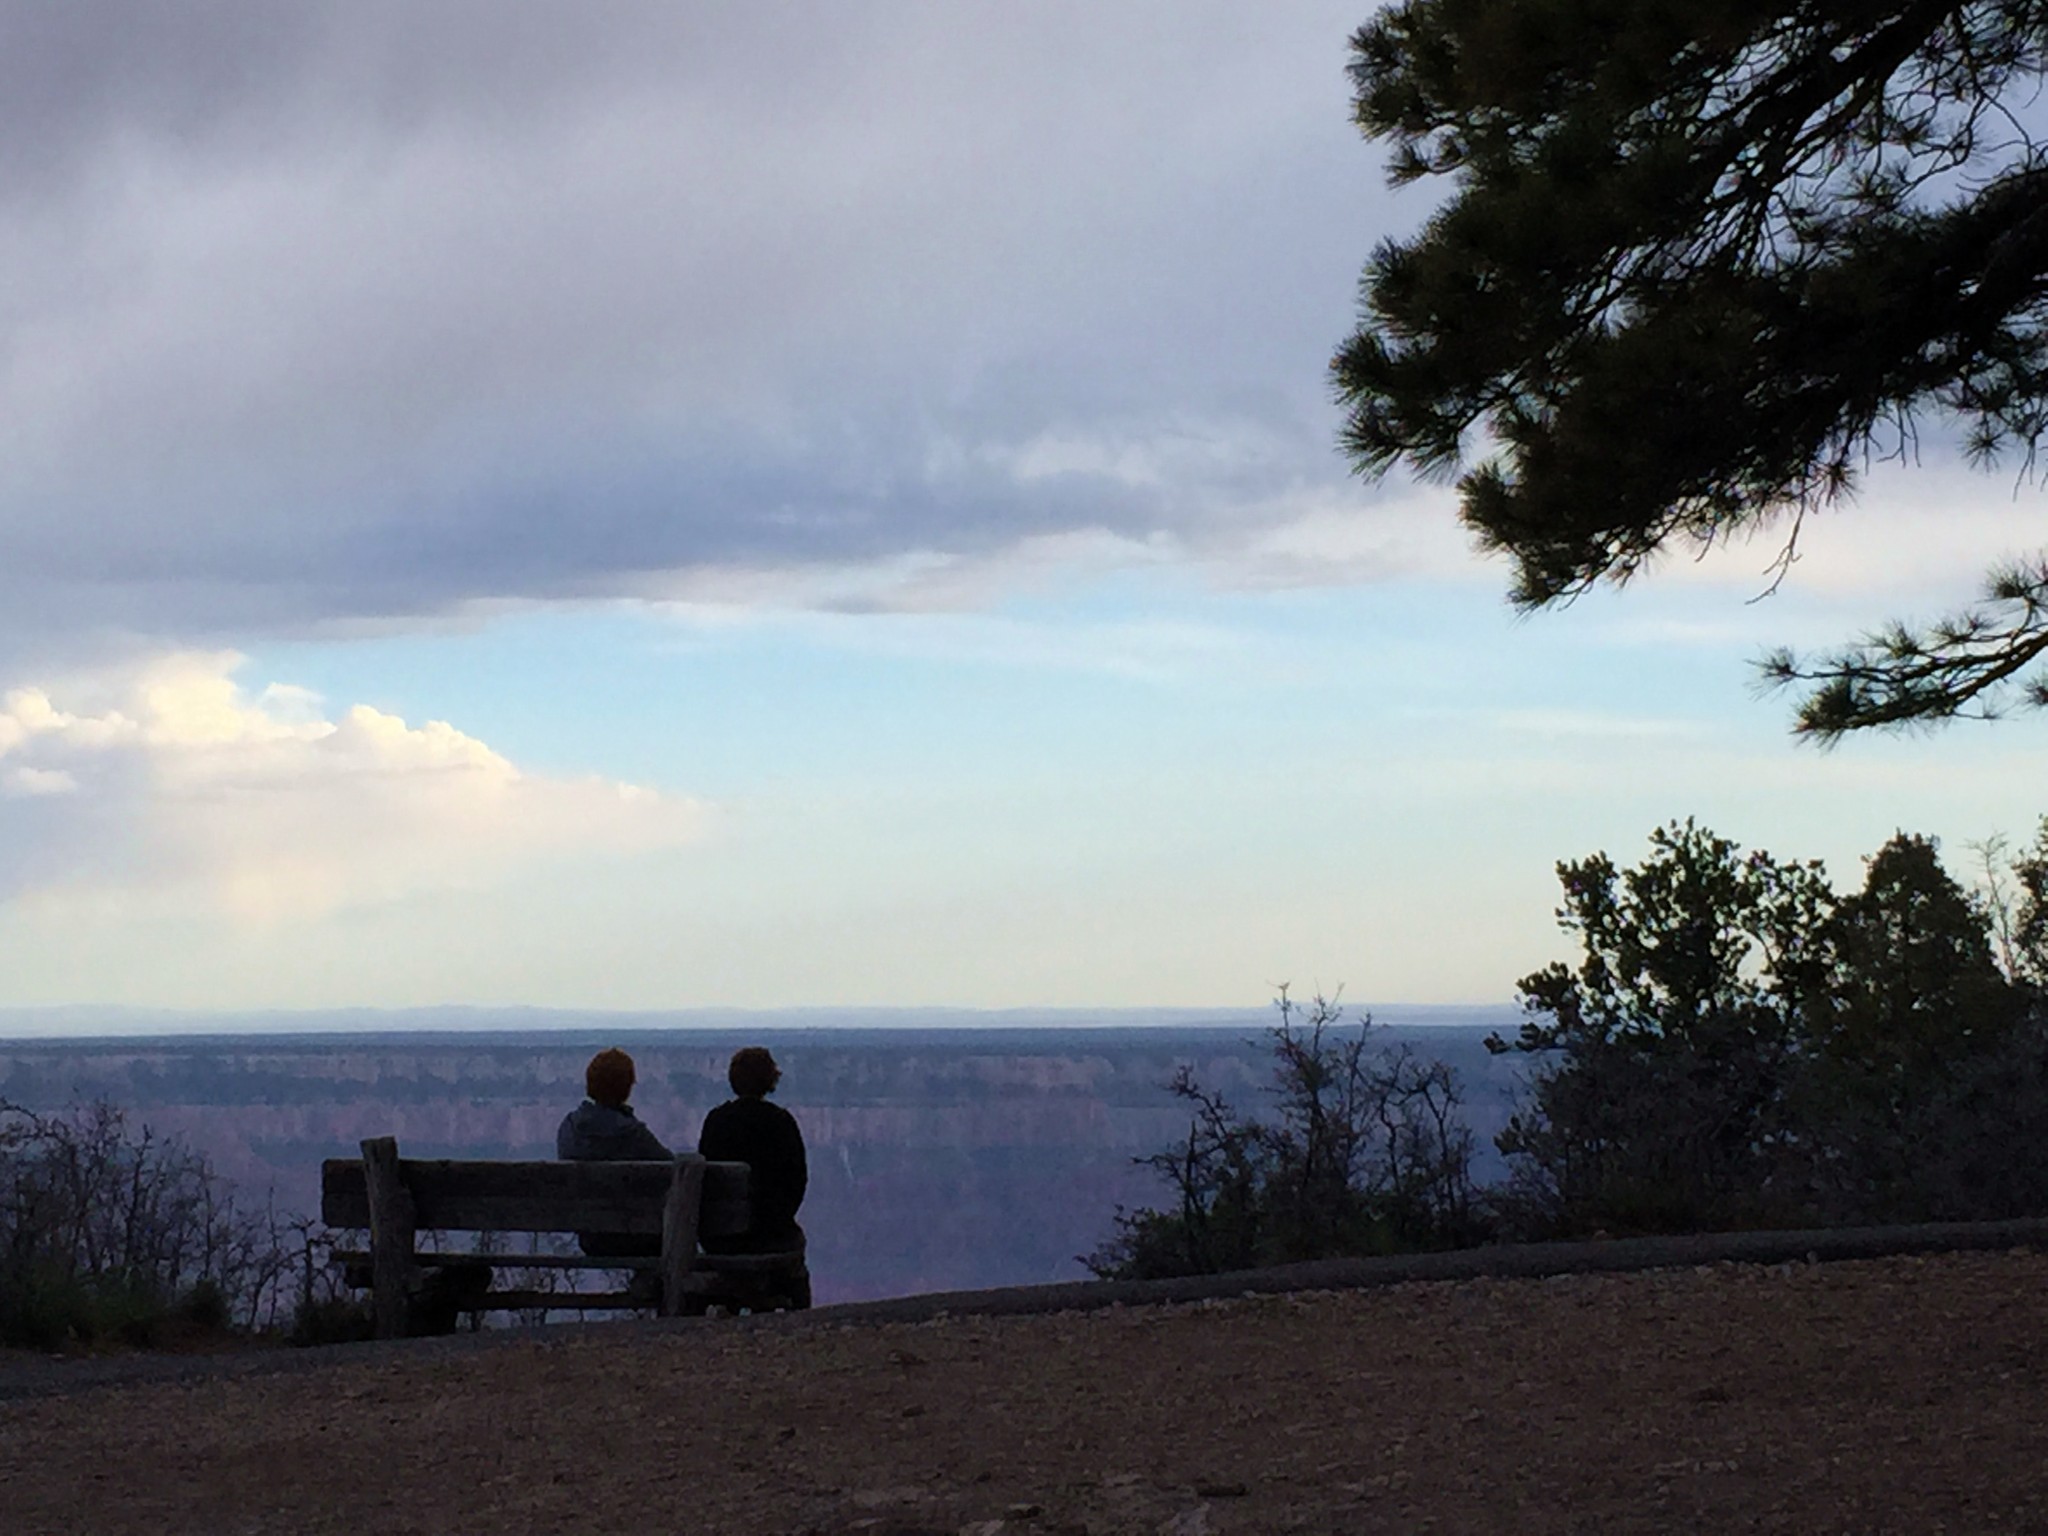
471	1196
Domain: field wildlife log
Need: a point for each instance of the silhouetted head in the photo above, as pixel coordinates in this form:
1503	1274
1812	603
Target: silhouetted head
609	1078
753	1072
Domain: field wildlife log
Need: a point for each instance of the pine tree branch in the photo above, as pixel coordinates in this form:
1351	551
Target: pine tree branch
1969	665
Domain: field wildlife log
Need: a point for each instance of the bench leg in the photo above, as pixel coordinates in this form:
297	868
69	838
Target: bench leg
679	1232
391	1238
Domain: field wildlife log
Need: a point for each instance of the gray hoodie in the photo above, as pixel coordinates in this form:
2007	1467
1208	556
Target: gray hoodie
603	1133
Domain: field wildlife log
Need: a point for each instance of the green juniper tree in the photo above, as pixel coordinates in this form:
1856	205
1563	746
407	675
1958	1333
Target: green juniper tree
1699	264
1919	1068
1670	1044
2026	938
1916	983
1738	1045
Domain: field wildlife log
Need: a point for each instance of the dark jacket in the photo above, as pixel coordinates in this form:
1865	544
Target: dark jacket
765	1137
602	1133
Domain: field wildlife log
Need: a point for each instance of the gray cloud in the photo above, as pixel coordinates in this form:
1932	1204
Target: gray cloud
334	312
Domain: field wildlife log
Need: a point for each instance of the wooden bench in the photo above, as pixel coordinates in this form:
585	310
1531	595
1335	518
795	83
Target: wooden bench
680	1202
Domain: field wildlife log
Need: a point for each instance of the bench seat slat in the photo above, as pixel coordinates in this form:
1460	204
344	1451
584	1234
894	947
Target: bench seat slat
573	1301
344	1256
536	1196
715	1263
556	1301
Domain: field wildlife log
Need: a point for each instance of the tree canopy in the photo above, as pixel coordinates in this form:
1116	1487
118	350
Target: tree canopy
1703	262
1740	1046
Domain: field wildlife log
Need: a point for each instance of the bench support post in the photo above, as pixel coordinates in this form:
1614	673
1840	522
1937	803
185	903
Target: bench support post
391	1237
679	1230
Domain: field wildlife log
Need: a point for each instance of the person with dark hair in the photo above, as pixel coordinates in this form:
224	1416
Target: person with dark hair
602	1129
748	1129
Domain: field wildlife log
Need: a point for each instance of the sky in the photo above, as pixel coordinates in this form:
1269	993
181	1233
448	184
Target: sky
653	506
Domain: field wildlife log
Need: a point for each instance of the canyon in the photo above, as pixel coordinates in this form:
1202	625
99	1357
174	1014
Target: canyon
944	1155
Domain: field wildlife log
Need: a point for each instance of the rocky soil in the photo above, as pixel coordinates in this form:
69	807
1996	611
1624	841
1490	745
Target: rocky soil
1901	1394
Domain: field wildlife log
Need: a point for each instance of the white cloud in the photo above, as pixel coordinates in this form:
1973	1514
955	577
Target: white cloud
1344	536
1909	534
1590	725
23	783
260	807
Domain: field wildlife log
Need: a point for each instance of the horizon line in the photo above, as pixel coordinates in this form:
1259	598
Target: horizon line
460	1019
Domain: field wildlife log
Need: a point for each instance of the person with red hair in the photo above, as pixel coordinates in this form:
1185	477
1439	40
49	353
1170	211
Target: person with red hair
603	1128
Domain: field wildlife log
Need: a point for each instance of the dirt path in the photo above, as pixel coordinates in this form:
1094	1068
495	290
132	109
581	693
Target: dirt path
1888	1395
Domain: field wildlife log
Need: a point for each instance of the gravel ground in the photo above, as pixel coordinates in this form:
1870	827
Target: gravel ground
1901	1394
